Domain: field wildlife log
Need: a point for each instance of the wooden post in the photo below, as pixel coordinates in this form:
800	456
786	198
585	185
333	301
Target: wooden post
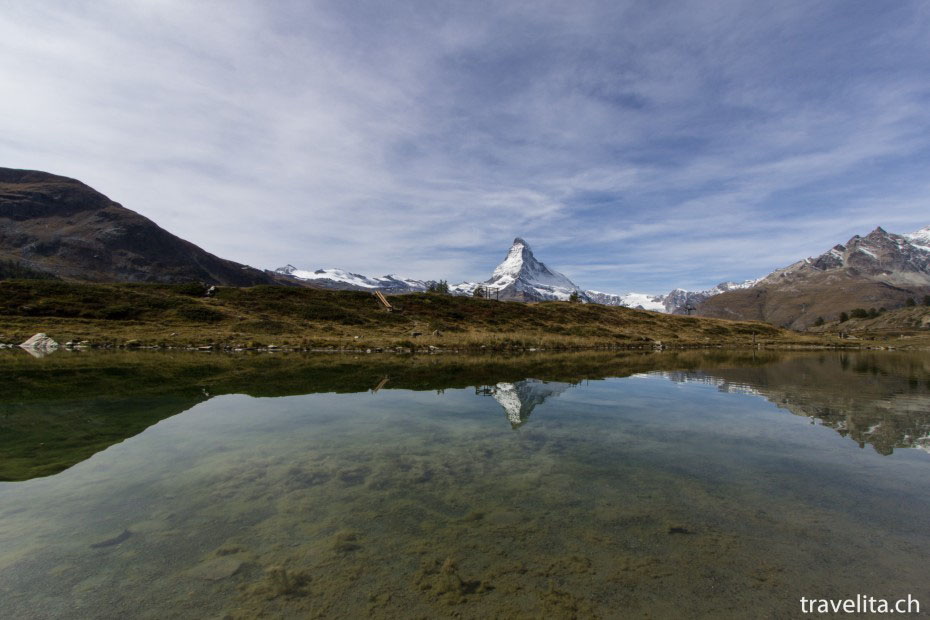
383	300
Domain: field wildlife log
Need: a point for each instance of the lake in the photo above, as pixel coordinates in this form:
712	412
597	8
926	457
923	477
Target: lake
691	484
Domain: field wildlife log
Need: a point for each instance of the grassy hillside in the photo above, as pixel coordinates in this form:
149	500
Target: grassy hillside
908	326
798	302
181	315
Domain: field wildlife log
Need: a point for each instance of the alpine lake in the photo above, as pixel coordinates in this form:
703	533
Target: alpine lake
717	484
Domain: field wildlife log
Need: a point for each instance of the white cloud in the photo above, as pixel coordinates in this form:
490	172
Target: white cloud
420	138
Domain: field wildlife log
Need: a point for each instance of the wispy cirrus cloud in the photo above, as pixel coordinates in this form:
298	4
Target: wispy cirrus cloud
635	145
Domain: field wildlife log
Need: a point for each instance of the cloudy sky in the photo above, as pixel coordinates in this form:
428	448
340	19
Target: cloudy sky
635	145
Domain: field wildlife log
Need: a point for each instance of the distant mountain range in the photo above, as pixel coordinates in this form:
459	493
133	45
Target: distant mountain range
60	227
520	277
881	269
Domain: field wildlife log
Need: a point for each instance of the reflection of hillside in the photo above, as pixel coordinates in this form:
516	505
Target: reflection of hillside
60	410
877	399
520	398
57	411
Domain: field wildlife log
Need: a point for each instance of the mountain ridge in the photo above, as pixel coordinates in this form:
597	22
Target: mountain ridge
57	226
519	277
880	269
63	227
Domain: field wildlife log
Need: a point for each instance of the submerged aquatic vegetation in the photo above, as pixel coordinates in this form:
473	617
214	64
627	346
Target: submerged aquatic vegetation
682	488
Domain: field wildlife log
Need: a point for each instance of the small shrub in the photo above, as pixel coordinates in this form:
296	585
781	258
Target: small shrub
819	321
843	317
910	303
119	313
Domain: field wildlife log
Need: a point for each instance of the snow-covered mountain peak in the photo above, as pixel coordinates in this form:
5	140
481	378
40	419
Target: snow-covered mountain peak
518	254
920	238
526	278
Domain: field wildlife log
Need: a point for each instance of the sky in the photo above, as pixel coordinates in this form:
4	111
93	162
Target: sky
637	146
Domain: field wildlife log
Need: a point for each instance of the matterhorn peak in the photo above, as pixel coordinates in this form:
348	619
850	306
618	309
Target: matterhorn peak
521	276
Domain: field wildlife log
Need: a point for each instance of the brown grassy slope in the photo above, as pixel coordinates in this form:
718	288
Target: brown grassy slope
908	326
300	317
798	303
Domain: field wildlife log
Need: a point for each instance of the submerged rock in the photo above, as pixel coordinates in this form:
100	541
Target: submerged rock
112	541
216	569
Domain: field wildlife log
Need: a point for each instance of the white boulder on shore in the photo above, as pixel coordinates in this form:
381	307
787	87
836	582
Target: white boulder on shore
40	342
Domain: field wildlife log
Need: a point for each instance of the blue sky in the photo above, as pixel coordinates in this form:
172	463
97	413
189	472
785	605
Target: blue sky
635	145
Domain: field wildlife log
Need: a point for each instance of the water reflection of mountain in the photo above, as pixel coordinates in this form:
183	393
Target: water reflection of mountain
57	411
520	398
880	399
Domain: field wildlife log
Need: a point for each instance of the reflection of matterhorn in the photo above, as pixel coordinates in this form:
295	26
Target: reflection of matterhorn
518	399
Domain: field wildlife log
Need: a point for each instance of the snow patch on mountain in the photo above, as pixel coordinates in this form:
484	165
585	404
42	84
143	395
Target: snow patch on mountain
336	275
339	278
641	301
464	288
920	239
681	301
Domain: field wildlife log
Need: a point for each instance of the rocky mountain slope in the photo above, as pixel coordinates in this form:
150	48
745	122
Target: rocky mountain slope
881	269
643	301
59	226
680	301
